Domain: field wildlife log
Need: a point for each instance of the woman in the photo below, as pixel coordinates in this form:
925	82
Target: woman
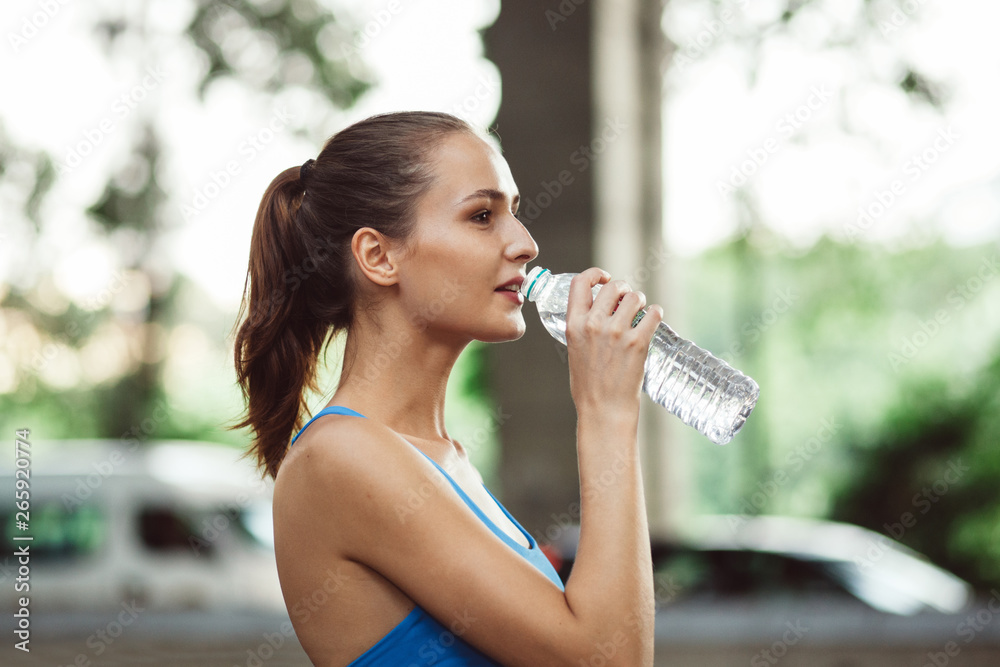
402	232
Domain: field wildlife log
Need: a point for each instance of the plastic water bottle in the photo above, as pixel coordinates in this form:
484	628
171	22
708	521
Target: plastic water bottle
702	390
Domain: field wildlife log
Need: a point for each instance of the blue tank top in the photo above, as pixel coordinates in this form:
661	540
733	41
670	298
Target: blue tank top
419	639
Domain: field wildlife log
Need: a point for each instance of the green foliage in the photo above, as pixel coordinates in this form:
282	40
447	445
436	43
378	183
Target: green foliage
928	475
295	31
133	198
132	216
897	351
21	164
471	418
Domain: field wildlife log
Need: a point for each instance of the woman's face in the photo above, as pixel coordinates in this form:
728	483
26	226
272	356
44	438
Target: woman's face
465	245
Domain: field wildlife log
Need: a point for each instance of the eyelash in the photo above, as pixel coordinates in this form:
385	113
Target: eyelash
478	217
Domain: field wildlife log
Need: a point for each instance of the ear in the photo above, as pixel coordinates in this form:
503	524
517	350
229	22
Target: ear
375	255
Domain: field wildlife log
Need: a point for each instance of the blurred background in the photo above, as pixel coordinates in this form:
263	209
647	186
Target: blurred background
809	187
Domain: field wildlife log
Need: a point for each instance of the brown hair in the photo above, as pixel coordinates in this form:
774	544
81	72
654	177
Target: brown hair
299	290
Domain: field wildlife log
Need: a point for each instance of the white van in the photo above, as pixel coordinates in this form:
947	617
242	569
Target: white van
167	524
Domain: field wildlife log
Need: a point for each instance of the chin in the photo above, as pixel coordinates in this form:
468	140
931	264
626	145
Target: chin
513	331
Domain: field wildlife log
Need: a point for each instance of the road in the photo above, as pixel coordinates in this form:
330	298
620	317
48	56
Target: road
194	638
688	637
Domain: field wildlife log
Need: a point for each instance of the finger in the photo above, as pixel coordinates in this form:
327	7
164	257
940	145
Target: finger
627	308
580	288
610	296
646	327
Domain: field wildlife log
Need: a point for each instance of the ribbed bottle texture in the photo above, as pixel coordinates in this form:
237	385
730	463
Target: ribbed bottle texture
700	389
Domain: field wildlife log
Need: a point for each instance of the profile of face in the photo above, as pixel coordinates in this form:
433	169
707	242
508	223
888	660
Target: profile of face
465	245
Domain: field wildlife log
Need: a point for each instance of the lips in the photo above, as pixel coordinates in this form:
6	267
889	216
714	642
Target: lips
512	285
512	290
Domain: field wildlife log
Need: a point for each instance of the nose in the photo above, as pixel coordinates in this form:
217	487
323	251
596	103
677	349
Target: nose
522	247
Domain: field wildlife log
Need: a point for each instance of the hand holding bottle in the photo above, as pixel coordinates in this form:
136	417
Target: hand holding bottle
703	391
606	354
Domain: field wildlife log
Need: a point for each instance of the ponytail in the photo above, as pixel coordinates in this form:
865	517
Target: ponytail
300	289
277	346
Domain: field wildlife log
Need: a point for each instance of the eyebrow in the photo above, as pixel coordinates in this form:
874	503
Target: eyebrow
490	193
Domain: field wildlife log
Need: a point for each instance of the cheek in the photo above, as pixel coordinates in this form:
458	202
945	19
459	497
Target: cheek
437	299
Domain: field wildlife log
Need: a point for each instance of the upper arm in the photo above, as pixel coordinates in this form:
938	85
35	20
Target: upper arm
396	513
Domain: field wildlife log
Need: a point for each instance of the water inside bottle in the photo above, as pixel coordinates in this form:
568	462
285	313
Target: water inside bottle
699	388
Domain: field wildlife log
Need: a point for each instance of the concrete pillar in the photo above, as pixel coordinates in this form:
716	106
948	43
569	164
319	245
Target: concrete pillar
545	118
629	60
580	126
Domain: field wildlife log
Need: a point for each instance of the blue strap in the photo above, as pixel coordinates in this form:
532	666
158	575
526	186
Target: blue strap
340	410
332	410
482	516
532	553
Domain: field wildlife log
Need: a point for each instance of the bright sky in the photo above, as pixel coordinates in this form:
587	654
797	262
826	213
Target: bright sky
428	55
424	54
814	177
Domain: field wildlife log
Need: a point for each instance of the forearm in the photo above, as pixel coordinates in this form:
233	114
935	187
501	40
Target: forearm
611	587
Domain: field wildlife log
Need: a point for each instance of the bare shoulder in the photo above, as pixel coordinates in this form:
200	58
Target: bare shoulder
358	493
349	468
339	446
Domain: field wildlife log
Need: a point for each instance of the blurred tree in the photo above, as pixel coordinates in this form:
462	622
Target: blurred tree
855	26
852	31
882	391
927	476
131	216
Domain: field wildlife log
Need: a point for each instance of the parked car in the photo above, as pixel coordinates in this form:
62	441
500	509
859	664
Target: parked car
169	524
729	557
748	590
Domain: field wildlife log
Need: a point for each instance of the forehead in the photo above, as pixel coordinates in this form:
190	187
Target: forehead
464	163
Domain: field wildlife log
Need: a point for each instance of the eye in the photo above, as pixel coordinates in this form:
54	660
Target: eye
483	216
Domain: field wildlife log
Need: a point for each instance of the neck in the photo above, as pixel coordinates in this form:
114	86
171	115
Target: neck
397	373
